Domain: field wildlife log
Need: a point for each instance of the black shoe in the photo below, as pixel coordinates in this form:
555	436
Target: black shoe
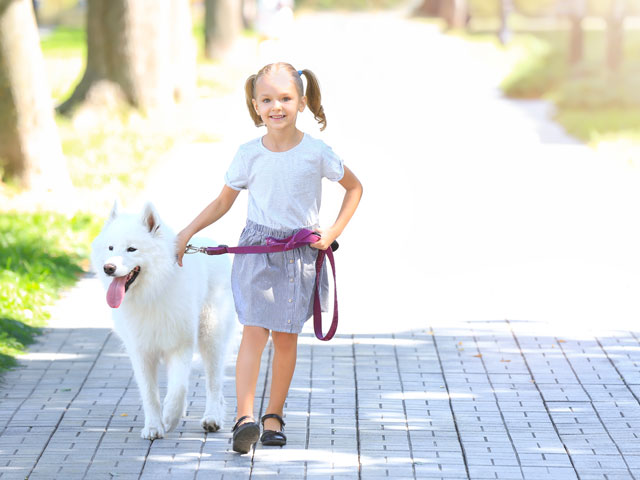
273	438
245	434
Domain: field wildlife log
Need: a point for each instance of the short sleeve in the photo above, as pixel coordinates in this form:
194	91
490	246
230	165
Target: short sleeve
236	176
332	165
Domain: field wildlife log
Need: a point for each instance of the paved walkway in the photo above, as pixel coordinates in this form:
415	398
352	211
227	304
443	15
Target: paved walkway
504	399
494	213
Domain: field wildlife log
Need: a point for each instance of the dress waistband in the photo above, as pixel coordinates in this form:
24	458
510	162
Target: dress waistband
274	232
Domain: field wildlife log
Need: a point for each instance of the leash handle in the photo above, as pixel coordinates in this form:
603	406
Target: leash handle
317	309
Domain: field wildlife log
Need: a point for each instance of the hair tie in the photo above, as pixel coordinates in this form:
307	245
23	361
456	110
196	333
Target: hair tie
300	72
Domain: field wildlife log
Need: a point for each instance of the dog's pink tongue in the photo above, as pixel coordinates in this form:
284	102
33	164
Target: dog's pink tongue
115	294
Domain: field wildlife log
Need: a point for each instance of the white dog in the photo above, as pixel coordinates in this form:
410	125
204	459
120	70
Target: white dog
161	310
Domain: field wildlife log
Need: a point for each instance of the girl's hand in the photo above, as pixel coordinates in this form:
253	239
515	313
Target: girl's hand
325	241
181	243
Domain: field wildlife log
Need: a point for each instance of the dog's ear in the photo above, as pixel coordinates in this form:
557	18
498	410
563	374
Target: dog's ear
114	211
150	218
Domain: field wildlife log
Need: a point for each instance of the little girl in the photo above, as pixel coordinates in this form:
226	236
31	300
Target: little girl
273	292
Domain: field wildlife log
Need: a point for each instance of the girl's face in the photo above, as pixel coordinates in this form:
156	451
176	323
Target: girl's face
277	100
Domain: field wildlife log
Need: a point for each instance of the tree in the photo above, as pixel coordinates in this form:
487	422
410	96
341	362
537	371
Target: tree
223	24
144	47
506	7
577	12
455	13
615	33
428	8
30	149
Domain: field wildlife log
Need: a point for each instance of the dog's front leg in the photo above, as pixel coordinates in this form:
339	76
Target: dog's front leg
145	369
175	403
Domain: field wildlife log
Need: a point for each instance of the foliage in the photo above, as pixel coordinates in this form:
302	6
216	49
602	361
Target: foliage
543	7
40	253
593	102
540	68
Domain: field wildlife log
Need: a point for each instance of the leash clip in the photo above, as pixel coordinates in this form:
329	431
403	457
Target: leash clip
191	249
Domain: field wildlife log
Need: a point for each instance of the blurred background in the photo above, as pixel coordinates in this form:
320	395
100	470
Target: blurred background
105	99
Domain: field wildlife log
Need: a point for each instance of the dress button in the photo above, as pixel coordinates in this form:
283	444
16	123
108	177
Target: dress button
291	280
291	261
290	300
288	321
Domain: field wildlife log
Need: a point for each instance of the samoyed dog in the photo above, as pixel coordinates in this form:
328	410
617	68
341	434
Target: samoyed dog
161	311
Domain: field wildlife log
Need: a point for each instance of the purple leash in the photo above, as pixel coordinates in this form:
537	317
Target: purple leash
299	239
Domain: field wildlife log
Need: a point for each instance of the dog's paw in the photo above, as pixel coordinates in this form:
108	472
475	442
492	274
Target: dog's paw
211	423
213	417
172	413
152	432
170	420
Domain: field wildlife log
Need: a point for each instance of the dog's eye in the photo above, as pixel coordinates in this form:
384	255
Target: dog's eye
131	249
110	247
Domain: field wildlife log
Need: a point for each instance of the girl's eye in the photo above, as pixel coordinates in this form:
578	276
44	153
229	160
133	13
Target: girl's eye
110	247
286	99
131	249
266	100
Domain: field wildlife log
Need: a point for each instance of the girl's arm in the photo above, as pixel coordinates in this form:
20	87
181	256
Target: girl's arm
352	196
212	213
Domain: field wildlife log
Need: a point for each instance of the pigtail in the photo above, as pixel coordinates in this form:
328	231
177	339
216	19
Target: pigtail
314	98
249	86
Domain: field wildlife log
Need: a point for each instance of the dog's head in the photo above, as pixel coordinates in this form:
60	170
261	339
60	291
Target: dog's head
130	250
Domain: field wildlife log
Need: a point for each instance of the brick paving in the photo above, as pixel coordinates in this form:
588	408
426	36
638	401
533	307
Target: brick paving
472	400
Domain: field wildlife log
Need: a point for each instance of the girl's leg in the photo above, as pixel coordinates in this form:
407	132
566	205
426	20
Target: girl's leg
284	363
248	367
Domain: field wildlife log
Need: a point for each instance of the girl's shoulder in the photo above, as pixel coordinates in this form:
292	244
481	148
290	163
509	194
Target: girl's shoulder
315	144
251	145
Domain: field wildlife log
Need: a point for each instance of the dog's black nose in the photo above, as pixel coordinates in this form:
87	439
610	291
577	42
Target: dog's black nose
109	268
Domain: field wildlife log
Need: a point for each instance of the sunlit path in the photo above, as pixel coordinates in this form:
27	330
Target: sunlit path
475	207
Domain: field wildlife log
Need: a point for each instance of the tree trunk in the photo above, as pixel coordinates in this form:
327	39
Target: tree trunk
249	11
428	8
144	47
223	24
184	51
506	7
455	13
615	34
578	10
30	149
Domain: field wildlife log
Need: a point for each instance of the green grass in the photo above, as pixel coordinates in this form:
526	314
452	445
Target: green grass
40	254
64	51
120	148
602	125
64	42
593	103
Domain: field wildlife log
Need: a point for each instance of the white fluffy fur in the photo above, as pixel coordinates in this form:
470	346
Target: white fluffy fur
166	311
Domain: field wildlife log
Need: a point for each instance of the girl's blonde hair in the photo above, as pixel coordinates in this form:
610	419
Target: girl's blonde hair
313	91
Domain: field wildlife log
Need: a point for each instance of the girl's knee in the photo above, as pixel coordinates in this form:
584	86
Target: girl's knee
284	341
255	336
